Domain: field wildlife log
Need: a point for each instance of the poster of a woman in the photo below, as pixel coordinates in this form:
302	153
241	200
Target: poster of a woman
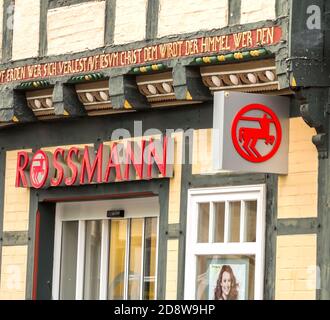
227	287
228	280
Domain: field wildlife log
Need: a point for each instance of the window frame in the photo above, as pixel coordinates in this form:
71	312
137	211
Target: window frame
194	249
137	208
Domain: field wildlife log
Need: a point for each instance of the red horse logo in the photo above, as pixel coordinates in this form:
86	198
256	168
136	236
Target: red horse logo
38	167
246	139
251	136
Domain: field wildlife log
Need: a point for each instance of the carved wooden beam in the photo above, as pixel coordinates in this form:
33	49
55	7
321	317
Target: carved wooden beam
180	86
253	76
95	97
41	103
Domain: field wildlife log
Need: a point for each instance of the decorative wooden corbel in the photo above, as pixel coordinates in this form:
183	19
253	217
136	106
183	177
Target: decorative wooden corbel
13	106
124	93
66	102
188	84
315	109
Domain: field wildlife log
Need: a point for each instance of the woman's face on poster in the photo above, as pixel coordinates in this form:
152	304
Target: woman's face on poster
226	283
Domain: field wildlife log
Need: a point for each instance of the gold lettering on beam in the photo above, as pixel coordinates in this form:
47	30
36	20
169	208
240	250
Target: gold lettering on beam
204	45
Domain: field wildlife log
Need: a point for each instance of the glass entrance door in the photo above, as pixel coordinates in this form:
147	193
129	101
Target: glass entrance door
132	272
112	259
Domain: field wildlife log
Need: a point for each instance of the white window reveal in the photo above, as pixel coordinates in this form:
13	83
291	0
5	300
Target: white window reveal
100	258
225	243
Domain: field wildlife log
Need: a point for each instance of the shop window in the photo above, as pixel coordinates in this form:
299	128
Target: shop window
225	243
113	259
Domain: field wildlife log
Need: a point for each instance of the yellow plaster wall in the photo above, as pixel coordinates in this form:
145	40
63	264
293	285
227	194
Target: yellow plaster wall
16	218
296	267
297	192
202	152
17	200
172	269
13	273
175	183
174	217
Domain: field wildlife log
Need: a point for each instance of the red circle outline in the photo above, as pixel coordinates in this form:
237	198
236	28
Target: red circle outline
42	183
237	119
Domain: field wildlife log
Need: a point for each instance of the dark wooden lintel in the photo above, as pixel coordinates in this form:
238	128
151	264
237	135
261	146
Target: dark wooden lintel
14	238
297	226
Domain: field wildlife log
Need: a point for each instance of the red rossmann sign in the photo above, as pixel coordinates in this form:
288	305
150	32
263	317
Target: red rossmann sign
144	160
